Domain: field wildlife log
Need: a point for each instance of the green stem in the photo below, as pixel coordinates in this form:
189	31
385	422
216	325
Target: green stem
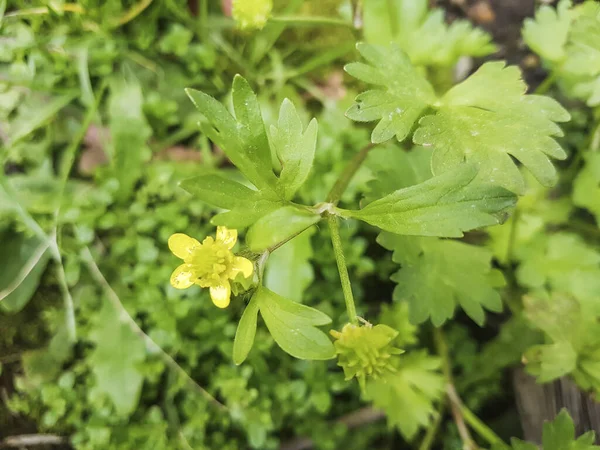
546	84
133	12
67	299
452	395
336	240
69	156
67	7
481	428
346	176
427	441
308	21
512	237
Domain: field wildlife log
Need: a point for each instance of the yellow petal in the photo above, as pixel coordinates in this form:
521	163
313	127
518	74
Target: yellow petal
243	265
182	278
227	236
221	294
182	245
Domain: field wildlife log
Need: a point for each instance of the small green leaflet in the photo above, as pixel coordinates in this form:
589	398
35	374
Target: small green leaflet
246	205
436	275
586	187
550	361
115	360
294	147
443	206
568	40
557	261
292	325
424	35
583	47
558	435
408	396
582	65
487	120
573	336
243	137
245	333
278	226
129	132
402	95
547	33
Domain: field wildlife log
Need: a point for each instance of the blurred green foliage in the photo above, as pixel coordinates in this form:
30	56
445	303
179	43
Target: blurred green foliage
96	133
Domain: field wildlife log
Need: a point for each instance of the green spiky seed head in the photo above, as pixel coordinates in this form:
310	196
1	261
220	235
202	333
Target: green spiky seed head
365	351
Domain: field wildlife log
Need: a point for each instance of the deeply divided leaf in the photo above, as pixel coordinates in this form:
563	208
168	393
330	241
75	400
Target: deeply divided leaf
243	137
486	120
437	275
401	96
424	35
409	395
294	147
547	33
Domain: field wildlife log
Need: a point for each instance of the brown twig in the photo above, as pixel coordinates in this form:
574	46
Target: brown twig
453	398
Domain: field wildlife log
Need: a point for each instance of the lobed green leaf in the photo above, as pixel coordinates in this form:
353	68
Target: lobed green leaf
403	95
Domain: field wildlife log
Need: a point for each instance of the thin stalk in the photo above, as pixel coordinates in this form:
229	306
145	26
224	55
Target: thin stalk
133	12
546	84
512	237
429	437
453	398
125	318
286	240
203	17
67	7
336	240
69	156
67	298
462	414
308	21
346	176
481	428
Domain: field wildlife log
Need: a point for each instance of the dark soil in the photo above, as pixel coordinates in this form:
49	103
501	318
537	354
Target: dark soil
503	19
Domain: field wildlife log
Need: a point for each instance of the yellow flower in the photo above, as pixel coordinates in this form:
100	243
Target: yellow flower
210	264
251	14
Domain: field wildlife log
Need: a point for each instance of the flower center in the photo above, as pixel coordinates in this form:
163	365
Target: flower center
210	262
